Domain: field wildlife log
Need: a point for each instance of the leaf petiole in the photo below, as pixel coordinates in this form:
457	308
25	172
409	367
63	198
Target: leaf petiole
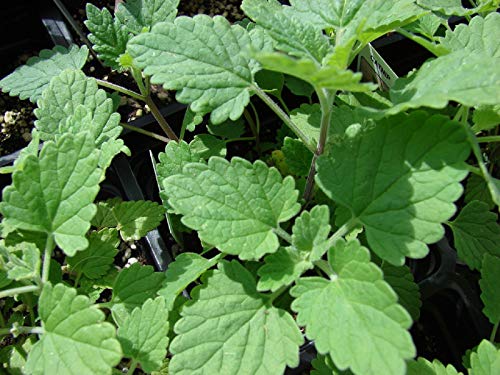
494	331
145	132
342	231
120	89
132	367
493	138
49	246
282	234
20	330
15	291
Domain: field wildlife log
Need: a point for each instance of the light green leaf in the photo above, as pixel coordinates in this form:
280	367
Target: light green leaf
23	267
422	366
134	219
480	35
143	336
297	156
54	193
290	34
133	286
308	119
399	180
486	361
141	15
490	293
323	365
445	7
203	57
96	260
356	319
426	25
230	328
76	339
107	34
453	77
206	146
402	282
73	99
486	117
343	252
185	269
327	76
310	232
234	205
477	189
31	79
282	268
476	233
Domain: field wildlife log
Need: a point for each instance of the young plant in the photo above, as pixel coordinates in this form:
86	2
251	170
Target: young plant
378	178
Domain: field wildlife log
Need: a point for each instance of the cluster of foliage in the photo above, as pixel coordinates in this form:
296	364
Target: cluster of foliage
365	180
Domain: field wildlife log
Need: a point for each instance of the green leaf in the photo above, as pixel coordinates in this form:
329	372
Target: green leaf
445	7
31	79
486	361
323	365
490	294
453	77
143	336
486	117
422	366
133	286
356	319
175	157
107	34
134	219
476	233
299	87
402	282
229	328
203	57
271	82
74	103
206	146
184	270
53	194
310	232
480	35
477	189
234	205
343	252
297	155
290	34
96	260
426	25
25	267
141	15
228	129
76	339
399	180
325	76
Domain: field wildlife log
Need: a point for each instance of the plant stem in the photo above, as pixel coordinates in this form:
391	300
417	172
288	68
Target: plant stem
493	138
120	89
256	115
49	246
137	75
2	320
240	139
19	330
283	116
253	128
342	231
132	367
283	234
160	119
20	290
326	99
324	266
277	293
145	132
494	331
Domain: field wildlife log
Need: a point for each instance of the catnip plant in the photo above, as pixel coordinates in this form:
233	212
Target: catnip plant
312	250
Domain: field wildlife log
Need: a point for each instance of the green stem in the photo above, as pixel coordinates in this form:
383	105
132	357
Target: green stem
324	266
283	234
120	89
282	102
49	246
427	44
137	75
145	132
326	99
494	331
253	128
20	330
493	138
2	320
240	139
277	293
132	367
256	115
284	117
29	302
160	119
342	231
77	279
20	290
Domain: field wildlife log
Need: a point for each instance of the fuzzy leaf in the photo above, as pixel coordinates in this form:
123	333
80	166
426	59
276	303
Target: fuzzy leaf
133	286
422	366
76	339
490	294
31	79
206	146
453	77
134	219
402	282
185	269
486	117
96	260
54	193
486	361
310	232
477	189
356	319
175	157
480	35
343	252
445	7
228	129
230	328
297	155
72	93
476	233
234	205
107	34
203	57
141	15
399	180
25	267
323	365
299	87
143	336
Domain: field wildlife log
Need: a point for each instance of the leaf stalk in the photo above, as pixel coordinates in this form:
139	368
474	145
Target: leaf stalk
120	89
49	246
342	231
282	234
20	290
145	132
